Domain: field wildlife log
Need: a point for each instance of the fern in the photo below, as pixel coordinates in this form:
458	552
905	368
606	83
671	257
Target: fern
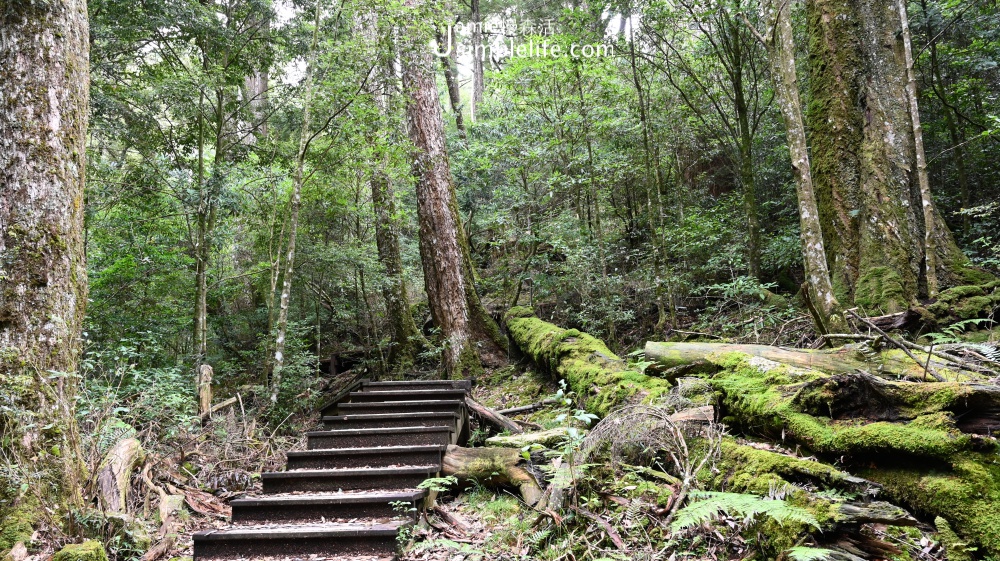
708	506
809	554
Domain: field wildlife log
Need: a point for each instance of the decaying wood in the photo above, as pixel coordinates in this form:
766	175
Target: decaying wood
455	521
115	472
492	466
834	361
492	417
547	438
928	369
205	391
170	507
531	407
218	407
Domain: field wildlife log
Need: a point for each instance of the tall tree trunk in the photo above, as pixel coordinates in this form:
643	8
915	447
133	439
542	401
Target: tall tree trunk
404	333
451	80
653	181
780	44
444	251
864	149
44	76
478	54
293	214
926	202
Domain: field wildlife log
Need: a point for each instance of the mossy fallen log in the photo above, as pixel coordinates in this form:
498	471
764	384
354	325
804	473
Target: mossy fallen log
495	467
849	358
922	459
598	376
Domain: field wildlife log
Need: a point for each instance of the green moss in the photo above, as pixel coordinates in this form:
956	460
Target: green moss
89	550
965	302
745	469
16	526
955	547
596	374
966	494
768	402
881	288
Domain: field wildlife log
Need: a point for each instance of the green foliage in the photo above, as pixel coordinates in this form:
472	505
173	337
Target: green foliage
707	506
809	554
439	484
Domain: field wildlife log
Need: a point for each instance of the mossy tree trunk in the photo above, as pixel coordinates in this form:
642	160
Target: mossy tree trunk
449	278
824	306
865	165
405	338
44	76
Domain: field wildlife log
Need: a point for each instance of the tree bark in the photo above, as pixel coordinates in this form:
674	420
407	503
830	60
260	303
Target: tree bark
449	278
864	137
44	76
926	202
825	308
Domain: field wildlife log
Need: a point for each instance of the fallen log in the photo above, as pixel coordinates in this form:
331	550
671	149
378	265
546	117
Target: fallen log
599	377
217	407
496	467
923	444
492	417
848	358
546	438
528	408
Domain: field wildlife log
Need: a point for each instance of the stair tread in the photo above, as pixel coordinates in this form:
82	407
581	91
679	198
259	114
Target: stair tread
415	393
327	529
380	416
351	471
366	495
389	430
366	450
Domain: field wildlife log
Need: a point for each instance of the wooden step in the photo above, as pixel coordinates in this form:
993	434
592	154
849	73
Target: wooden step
368	438
337	480
332	507
378	456
406	395
416	385
388	420
296	540
422	406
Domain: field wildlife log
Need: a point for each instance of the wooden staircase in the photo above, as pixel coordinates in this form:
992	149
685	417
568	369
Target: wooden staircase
355	486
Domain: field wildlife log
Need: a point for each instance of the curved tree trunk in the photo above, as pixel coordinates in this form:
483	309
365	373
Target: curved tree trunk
449	278
44	77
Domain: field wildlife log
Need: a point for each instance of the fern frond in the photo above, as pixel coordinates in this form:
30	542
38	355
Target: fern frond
709	505
809	554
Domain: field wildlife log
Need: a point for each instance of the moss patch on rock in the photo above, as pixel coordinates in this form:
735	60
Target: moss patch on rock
89	550
15	526
966	302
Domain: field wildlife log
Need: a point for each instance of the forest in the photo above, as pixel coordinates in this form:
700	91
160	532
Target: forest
504	280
